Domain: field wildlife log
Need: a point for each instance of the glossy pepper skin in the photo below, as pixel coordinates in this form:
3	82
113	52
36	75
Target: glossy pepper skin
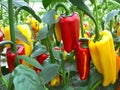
21	51
103	57
10	59
69	26
83	59
41	58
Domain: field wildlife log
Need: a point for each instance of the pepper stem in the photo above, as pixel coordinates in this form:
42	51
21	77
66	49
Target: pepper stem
96	85
97	34
81	23
63	6
12	31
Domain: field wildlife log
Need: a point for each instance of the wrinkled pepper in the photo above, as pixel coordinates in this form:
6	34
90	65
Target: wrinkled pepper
69	26
1	47
41	58
103	57
10	59
21	51
83	59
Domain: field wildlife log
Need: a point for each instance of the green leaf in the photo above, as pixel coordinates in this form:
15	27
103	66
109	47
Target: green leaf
56	54
35	0
42	34
26	79
110	15
20	36
94	77
30	10
68	88
31	61
81	5
19	3
38	52
117	1
38	49
49	17
49	72
46	3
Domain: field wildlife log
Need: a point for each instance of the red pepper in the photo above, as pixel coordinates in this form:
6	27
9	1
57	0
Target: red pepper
10	59
21	51
70	31
1	36
83	60
41	58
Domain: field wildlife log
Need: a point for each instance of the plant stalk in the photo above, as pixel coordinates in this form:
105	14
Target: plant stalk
12	31
97	34
81	24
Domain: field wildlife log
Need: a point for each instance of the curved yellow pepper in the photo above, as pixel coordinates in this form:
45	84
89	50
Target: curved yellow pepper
103	57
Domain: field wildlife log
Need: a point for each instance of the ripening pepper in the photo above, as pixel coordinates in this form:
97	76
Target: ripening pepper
57	30
1	36
41	58
10	56
103	56
21	51
83	59
69	26
55	81
118	31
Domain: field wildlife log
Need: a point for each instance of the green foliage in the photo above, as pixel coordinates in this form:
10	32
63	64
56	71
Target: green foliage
49	72
42	34
46	3
49	17
31	61
25	78
110	15
38	49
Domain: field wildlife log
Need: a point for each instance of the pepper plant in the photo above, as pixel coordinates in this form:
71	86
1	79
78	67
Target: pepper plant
66	45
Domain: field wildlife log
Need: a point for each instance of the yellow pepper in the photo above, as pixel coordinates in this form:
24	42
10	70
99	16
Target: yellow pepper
57	30
55	81
103	57
25	30
35	25
118	31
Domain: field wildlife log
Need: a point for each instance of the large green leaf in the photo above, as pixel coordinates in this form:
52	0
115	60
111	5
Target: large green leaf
81	5
46	3
49	17
49	72
31	61
25	78
110	15
42	34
